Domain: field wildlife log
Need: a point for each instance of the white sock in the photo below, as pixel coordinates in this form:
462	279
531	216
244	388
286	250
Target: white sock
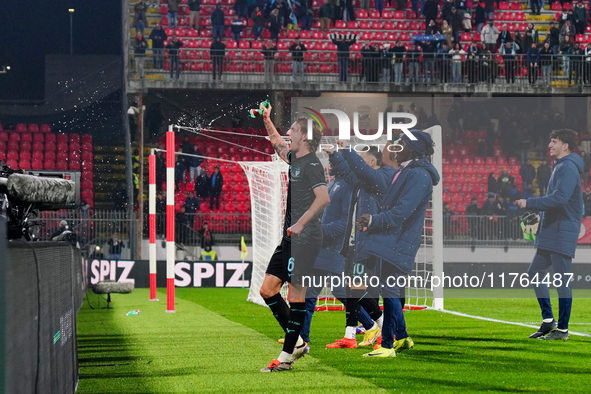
350	332
548	320
375	325
562	330
300	342
284	357
380	322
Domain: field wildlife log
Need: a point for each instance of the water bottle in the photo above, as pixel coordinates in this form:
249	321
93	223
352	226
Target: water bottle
133	313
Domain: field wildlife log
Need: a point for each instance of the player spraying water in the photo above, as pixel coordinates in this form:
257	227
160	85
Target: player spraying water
307	196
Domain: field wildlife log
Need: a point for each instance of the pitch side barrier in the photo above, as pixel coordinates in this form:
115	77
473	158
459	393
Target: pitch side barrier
44	285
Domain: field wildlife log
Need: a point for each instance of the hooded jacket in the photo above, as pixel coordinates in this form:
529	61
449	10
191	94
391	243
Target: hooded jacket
395	231
367	189
334	223
561	208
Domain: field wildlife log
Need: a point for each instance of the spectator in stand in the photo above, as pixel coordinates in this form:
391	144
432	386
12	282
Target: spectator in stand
562	18
179	170
580	18
158	36
480	16
173	8
194	13
308	13
386	61
430	11
576	63
139	16
195	163
414	4
447	215
546	55
472	62
473	210
429	50
527	173
526	42
217	53
173	47
191	203
447	32
490	209
398	52
505	183
413	55
275	24
364	5
467	23
115	247
445	10
461	7
535	7
432	28
490	34
508	52
379	4
216	181
269	51
206	236
553	37
534	32
297	50
202	184
258	21
236	28
504	36
566	45
493	187
532	59
443	60
241	8
217	21
139	50
587	65
489	9
325	15
343	43
567	30
349	14
456	54
456	22
366	62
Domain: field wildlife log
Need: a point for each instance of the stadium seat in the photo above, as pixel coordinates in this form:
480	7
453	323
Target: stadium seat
33	128
45	128
21	127
362	14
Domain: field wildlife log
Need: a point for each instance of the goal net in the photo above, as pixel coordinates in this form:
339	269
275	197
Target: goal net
268	196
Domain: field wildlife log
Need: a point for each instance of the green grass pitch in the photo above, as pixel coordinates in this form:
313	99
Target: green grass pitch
216	341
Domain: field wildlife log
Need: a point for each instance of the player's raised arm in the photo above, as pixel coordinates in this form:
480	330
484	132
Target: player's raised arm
278	143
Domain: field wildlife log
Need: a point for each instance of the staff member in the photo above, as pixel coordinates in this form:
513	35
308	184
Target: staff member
560	221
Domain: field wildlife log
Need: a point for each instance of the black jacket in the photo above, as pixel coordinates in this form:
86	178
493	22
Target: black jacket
217	17
219	182
297	52
158	37
217	49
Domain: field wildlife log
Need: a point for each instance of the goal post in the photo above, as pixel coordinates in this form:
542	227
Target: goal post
268	196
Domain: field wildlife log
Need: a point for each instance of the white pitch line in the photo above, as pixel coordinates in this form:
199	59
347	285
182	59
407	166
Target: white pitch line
507	322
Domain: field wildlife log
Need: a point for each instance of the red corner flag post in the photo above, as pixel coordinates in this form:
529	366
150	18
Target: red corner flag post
152	220
170	248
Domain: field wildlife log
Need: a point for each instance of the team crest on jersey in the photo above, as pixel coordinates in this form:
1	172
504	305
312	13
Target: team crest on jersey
296	172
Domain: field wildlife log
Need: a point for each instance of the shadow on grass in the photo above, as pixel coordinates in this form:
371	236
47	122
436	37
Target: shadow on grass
111	373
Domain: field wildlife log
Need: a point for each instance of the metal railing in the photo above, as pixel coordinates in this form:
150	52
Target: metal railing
322	67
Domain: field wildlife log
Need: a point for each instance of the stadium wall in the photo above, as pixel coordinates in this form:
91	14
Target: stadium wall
45	284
